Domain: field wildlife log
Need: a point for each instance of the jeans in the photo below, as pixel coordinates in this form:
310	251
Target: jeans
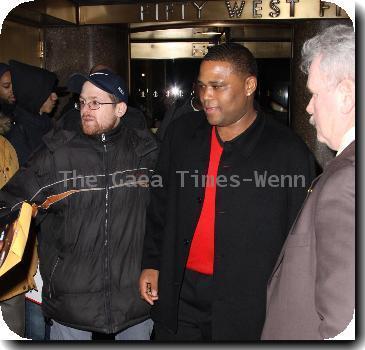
140	331
35	326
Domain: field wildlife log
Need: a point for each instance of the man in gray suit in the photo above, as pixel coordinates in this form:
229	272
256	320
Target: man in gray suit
311	292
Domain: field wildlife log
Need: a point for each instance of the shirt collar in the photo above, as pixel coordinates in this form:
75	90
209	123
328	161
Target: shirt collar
346	140
245	143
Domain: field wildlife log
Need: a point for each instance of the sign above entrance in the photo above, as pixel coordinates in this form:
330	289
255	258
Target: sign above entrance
217	10
241	9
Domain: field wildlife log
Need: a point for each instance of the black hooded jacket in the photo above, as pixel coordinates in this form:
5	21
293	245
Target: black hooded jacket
32	86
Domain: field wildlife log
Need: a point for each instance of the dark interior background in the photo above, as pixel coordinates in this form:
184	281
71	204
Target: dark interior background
152	80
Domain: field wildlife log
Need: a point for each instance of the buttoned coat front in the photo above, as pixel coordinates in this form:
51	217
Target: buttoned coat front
253	217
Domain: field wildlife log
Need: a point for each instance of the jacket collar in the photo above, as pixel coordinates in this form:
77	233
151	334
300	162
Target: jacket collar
142	139
110	136
244	143
347	153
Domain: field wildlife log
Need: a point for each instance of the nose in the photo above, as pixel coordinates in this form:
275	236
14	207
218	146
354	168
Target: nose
309	108
54	96
86	106
205	93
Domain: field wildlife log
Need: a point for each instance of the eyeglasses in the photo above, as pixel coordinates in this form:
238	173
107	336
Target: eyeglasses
93	105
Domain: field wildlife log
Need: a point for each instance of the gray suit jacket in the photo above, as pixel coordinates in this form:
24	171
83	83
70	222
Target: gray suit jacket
311	292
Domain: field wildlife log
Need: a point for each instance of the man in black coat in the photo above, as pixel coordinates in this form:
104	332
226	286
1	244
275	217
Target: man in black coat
233	181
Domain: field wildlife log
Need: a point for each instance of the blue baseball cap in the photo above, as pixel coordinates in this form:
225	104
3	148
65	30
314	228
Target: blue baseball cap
4	68
104	80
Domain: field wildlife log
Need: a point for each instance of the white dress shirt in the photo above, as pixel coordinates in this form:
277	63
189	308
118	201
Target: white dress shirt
346	140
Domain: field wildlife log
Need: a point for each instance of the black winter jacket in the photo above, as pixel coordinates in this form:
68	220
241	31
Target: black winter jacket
90	245
26	132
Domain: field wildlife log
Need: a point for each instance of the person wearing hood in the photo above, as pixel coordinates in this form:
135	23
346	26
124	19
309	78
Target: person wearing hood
34	92
7	98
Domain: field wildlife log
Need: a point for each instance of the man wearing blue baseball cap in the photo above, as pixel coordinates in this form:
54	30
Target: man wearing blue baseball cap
90	242
70	118
113	89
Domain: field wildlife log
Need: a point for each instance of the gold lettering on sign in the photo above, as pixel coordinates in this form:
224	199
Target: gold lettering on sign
256	8
199	7
169	8
144	11
292	6
322	7
276	10
161	11
235	10
183	10
338	11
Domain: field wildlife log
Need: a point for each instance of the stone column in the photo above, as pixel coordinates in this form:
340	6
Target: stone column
70	49
78	48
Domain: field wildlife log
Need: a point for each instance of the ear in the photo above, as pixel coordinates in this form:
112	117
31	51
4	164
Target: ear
120	109
251	85
346	95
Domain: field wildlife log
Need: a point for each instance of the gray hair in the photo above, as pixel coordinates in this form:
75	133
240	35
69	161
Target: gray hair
336	46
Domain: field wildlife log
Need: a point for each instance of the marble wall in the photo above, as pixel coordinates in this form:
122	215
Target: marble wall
70	49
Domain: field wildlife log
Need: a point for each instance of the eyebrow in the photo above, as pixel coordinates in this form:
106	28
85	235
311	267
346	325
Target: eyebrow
213	81
91	97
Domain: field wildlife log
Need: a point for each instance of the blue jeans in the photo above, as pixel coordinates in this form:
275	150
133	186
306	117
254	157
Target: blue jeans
35	325
140	331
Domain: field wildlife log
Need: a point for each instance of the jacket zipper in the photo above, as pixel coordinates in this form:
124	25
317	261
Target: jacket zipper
106	240
50	279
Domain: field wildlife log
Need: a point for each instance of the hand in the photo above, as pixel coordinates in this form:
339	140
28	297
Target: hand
148	285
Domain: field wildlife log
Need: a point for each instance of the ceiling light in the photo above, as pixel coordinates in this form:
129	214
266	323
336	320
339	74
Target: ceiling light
211	33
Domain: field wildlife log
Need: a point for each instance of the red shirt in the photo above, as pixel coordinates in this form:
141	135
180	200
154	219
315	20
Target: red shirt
201	255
